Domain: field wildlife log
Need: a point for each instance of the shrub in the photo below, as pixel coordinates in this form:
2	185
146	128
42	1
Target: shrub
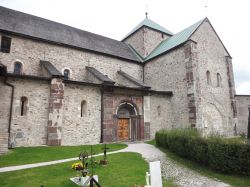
231	157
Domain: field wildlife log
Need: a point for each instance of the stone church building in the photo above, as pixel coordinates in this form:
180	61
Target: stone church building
63	86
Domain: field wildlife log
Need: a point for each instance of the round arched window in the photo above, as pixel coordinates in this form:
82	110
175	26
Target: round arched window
18	68
66	74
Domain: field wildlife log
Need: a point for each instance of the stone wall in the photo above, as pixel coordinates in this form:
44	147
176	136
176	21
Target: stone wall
5	93
136	40
215	114
30	52
168	73
85	129
152	39
111	102
243	103
145	40
56	103
161	114
31	128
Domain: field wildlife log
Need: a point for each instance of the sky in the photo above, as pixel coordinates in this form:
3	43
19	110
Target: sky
115	18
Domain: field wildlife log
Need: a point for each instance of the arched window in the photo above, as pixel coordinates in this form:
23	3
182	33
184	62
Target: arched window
83	108
66	74
208	78
159	110
24	101
218	80
18	68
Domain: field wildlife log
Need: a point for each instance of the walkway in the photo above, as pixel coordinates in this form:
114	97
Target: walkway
182	176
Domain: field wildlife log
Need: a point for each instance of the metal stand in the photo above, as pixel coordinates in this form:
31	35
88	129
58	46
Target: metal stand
92	180
105	151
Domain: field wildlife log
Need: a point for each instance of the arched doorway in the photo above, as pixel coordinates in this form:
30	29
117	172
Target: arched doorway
128	126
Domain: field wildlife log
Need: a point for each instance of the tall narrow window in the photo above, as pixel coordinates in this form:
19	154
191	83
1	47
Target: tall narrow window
18	68
218	80
5	44
66	74
83	108
24	101
159	110
208	78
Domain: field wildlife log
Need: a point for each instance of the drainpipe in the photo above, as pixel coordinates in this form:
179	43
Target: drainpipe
11	106
143	71
248	133
101	140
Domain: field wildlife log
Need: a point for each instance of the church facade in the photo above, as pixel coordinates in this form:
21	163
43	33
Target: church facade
63	86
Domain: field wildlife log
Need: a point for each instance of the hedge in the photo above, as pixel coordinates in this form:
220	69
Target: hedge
215	152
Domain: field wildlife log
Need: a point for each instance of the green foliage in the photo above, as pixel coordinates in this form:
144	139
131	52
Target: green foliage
223	155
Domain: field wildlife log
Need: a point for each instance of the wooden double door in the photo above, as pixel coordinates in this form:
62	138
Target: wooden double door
123	129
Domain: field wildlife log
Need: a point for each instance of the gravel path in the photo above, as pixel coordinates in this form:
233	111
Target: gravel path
182	176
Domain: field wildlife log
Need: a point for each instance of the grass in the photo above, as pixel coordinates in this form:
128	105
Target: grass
237	181
28	155
124	169
237	139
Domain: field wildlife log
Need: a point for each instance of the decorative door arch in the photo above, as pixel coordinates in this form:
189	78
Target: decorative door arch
128	122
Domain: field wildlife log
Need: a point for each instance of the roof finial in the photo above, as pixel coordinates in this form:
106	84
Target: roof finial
205	7
146	13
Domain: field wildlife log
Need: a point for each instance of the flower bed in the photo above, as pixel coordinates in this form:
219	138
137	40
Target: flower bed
215	152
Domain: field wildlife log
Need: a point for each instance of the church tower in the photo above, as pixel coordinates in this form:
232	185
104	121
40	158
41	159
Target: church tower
146	36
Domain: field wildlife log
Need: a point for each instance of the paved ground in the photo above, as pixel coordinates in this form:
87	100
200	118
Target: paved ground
182	176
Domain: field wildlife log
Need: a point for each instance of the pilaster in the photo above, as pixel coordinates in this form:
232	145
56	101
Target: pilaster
190	64
55	112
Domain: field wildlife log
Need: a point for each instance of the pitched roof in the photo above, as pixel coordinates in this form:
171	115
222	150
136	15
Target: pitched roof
174	41
35	27
50	68
105	79
148	23
134	80
3	69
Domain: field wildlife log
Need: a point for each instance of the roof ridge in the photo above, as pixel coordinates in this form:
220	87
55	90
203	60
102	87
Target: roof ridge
175	40
44	29
63	24
150	24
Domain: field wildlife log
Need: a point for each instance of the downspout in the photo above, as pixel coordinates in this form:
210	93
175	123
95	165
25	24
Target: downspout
11	106
101	140
143	66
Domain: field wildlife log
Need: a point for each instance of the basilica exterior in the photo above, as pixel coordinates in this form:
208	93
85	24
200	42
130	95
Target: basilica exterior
63	86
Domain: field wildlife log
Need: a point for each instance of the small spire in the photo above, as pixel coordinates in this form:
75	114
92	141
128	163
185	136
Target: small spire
146	12
205	7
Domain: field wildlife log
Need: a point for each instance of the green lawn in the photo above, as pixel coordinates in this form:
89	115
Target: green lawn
124	169
28	155
237	139
237	181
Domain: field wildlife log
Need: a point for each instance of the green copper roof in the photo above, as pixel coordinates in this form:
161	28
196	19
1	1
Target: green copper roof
149	23
174	40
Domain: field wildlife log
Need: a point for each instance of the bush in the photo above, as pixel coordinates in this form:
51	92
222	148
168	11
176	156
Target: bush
231	157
